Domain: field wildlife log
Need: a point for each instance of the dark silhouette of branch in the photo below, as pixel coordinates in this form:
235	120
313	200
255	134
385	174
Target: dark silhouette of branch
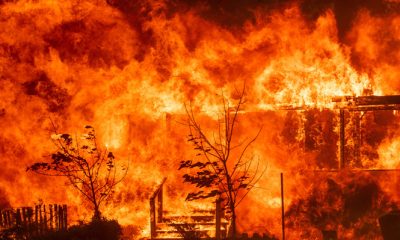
88	168
220	173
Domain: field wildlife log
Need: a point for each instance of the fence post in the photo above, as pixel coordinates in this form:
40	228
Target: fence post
30	215
65	216
51	216
24	218
45	217
18	218
40	219
56	225
4	213
218	218
36	219
9	218
60	216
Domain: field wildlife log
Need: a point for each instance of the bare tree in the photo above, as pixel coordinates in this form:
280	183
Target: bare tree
89	168
219	170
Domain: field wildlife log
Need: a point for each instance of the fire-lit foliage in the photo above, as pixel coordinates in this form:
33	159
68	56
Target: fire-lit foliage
90	169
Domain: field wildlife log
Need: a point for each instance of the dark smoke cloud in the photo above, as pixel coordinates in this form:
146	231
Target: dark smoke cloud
347	11
233	14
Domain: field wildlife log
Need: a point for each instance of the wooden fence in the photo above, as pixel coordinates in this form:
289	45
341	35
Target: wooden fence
35	220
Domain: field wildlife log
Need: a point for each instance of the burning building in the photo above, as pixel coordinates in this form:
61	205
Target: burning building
321	78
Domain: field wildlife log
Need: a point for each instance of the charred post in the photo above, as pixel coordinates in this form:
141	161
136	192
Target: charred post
4	217
283	208
160	205
51	217
36	218
40	219
30	215
60	217
9	217
44	218
342	140
152	218
18	218
65	217
24	218
218	218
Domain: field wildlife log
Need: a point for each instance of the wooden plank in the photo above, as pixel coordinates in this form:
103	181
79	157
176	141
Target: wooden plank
55	218
9	218
342	139
24	218
160	205
158	188
218	210
30	215
45	218
36	219
61	216
40	219
65	217
152	218
368	100
18	218
373	108
377	100
51	217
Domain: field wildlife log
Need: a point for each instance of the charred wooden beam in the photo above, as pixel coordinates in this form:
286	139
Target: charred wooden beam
353	103
160	205
368	100
373	108
360	101
152	218
377	100
383	170
342	141
154	195
153	211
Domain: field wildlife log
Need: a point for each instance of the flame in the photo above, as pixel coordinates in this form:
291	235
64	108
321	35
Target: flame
129	68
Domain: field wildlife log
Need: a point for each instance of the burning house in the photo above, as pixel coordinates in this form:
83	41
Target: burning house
321	82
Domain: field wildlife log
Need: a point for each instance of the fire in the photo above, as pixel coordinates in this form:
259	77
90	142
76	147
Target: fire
128	68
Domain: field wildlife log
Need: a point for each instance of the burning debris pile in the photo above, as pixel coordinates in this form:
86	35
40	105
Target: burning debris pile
347	204
315	74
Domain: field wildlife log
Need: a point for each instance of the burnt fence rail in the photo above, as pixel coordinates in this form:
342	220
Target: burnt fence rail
35	220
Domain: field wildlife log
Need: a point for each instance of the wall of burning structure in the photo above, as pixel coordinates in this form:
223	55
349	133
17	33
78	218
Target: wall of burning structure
346	199
123	66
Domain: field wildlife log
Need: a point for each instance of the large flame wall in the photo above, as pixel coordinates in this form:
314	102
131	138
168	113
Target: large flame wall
127	67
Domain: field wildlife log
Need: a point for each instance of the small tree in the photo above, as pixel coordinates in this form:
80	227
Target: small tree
88	168
219	171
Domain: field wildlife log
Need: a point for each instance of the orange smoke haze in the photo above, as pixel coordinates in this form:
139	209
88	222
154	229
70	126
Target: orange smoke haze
128	67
